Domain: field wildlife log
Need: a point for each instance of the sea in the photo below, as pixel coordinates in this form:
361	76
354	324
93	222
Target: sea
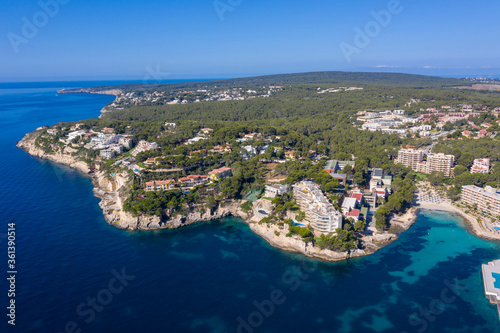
75	273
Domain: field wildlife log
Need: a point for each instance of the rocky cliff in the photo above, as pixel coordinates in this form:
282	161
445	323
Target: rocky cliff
113	191
275	236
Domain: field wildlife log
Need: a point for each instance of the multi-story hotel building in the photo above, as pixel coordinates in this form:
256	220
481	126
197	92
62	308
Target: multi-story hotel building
320	213
487	199
410	157
437	162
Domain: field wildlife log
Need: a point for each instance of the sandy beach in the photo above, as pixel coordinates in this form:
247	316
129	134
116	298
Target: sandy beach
476	227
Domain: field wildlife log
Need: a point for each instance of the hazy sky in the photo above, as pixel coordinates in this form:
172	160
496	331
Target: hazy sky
89	39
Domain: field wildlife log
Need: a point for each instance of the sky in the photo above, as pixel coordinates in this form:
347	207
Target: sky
161	40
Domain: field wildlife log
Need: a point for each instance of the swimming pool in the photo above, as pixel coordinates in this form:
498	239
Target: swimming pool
297	223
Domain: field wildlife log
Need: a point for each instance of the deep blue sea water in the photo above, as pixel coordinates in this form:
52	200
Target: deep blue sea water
211	277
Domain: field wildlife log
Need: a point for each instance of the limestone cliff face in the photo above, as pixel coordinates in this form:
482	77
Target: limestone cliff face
64	157
276	238
125	220
113	191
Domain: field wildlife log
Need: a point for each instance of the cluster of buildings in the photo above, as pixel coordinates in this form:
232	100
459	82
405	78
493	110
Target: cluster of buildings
320	213
334	166
391	121
106	141
486	199
250	136
351	206
202	135
414	159
144	146
380	184
188	181
385	121
480	131
334	90
191	96
170	184
356	206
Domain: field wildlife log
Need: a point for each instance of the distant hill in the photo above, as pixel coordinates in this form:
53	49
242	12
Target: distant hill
363	79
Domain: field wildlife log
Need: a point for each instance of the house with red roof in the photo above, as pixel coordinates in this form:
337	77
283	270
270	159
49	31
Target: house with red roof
220	173
200	152
475	127
160	185
289	155
193	180
358	197
354	214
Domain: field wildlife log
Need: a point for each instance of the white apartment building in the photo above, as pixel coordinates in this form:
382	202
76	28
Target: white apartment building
107	153
481	165
143	146
410	157
320	213
276	189
487	199
437	162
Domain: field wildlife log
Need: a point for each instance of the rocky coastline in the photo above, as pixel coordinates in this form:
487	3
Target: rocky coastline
113	191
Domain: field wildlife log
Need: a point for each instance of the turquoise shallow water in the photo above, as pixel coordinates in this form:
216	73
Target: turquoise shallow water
216	276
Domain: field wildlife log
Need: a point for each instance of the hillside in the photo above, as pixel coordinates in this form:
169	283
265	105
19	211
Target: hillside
365	79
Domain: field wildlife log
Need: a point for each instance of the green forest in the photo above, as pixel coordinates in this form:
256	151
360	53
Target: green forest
298	119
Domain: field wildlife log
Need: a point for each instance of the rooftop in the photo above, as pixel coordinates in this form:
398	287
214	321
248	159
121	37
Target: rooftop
493	192
377	173
160	182
491	281
349	202
339	175
219	170
357	196
332	164
354	213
